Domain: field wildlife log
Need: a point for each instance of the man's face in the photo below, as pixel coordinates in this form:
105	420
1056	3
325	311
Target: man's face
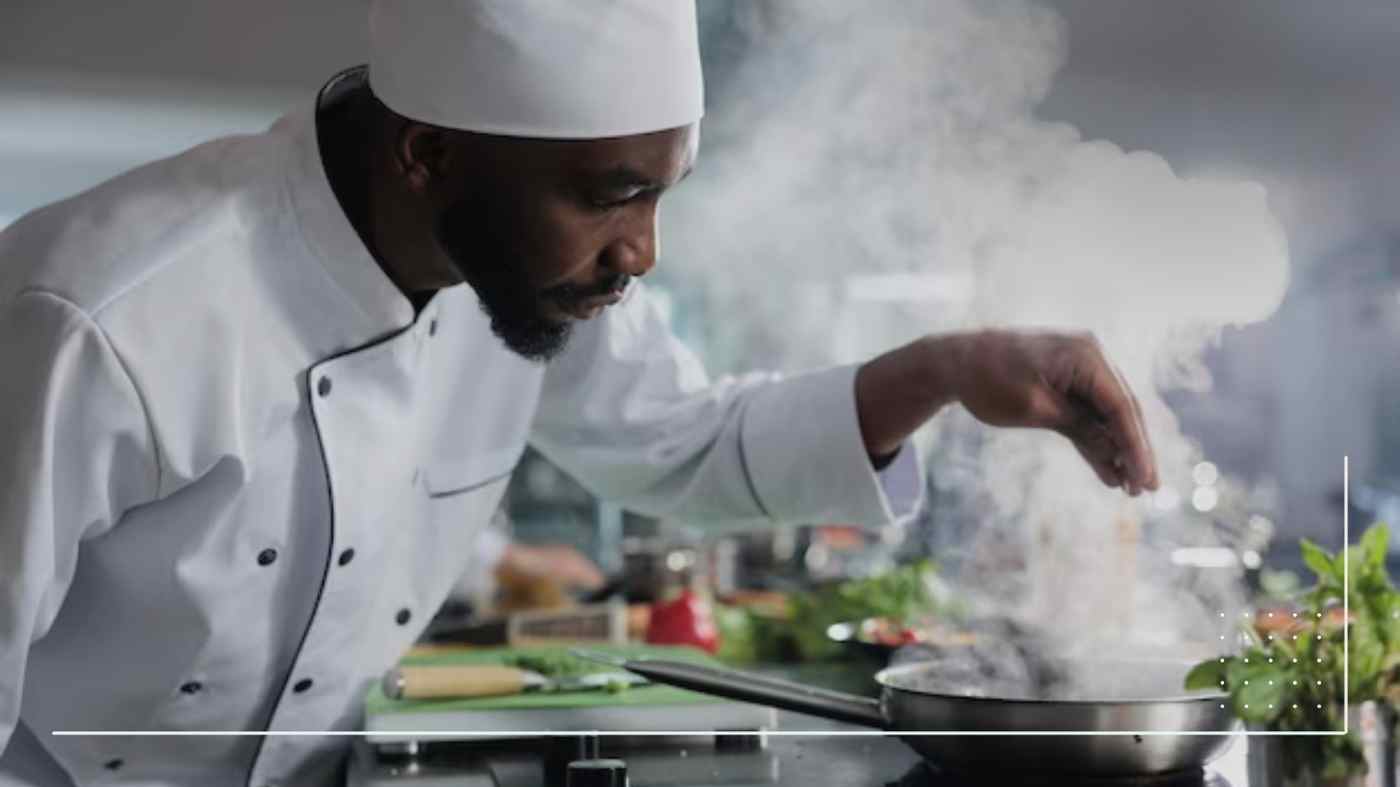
551	231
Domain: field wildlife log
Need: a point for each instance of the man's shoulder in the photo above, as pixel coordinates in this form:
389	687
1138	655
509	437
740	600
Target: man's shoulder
150	226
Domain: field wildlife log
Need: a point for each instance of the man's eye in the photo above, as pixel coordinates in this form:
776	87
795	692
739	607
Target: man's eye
615	200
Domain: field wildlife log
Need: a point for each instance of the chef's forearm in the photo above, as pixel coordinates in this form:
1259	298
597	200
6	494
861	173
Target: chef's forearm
899	391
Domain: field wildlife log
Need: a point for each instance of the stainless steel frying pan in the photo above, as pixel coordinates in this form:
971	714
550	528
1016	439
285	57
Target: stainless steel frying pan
1143	695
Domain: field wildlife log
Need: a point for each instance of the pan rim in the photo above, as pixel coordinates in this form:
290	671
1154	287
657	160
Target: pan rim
883	678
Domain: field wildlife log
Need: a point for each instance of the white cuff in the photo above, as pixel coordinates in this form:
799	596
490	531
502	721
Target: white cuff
903	482
806	460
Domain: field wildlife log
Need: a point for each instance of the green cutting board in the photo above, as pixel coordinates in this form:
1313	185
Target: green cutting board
652	694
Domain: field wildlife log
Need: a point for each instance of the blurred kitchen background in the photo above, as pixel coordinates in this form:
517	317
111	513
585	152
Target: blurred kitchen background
1295	95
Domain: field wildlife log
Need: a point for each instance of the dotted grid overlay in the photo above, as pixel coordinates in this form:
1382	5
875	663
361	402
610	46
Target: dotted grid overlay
459	735
1345	664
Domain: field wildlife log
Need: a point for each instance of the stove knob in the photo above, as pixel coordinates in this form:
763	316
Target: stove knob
597	773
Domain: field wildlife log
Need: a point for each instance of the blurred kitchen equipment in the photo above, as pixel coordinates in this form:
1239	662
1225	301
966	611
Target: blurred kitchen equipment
597	773
837	552
913	698
849	633
881	638
725	558
756	559
653	567
606	622
613	586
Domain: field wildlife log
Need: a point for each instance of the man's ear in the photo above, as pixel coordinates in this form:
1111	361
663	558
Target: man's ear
421	154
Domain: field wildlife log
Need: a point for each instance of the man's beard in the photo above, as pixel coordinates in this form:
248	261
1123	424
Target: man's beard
516	310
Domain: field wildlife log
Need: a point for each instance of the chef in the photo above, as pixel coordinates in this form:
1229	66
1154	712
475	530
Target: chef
260	399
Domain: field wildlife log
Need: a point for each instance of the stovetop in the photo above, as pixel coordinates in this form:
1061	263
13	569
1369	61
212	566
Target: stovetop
813	760
784	762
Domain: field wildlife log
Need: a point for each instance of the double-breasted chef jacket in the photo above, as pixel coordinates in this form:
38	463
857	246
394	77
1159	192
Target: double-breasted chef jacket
239	472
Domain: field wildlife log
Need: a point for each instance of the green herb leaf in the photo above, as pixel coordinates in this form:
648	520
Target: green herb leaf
1208	675
1388	612
1257	690
1321	563
1367	655
1373	545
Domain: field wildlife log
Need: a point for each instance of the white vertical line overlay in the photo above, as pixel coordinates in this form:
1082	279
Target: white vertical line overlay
464	734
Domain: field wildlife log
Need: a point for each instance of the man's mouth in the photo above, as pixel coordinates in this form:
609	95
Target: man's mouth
590	307
586	305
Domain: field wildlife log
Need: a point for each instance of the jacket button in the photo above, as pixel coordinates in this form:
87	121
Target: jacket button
192	687
324	387
302	686
432	328
267	556
346	556
403	617
113	765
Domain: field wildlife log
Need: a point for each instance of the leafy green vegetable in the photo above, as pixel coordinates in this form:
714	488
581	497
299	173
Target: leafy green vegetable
563	665
555	664
1294	680
737	639
747	636
902	594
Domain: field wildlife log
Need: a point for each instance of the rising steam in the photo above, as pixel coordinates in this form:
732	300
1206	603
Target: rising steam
876	172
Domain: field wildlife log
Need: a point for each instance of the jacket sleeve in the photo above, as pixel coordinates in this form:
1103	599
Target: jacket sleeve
76	453
629	411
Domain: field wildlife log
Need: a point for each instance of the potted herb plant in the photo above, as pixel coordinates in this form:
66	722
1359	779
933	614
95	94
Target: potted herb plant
1292	676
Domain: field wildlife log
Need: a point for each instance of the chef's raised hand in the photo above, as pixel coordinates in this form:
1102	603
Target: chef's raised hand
1056	381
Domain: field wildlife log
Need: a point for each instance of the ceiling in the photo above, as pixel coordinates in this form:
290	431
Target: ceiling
249	42
113	84
1264	43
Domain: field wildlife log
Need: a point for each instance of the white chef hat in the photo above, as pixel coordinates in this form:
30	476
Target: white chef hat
565	69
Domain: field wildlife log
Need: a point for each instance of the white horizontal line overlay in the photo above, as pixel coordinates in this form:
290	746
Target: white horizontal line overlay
408	735
411	734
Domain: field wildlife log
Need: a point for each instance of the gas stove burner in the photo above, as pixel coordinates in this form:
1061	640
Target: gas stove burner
926	775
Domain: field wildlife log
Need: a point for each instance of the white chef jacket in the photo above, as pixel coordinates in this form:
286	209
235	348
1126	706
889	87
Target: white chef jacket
239	473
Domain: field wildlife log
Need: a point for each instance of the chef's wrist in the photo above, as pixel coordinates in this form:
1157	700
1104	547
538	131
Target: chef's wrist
945	355
899	391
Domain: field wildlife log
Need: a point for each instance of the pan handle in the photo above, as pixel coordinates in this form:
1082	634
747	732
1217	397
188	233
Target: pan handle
763	690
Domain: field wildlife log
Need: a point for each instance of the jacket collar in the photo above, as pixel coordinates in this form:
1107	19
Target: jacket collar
327	231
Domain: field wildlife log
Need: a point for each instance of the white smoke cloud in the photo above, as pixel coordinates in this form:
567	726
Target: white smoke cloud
899	138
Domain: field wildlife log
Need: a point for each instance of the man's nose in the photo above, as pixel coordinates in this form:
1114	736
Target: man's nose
634	254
